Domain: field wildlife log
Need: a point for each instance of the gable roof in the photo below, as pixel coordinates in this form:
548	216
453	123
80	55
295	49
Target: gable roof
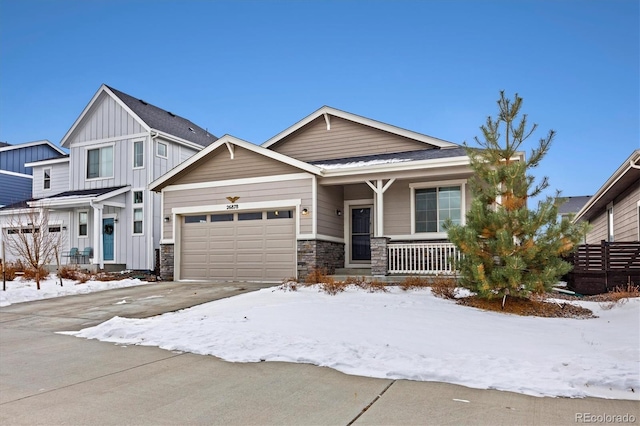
82	196
153	118
230	141
328	111
4	146
626	175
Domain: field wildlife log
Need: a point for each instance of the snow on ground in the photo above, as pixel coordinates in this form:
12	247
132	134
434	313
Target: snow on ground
20	290
405	335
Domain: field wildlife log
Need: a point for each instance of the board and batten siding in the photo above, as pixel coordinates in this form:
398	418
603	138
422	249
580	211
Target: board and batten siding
59	179
106	119
219	166
14	188
14	159
258	192
330	200
345	139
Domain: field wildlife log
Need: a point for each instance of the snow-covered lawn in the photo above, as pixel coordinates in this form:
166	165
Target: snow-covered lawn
20	290
406	335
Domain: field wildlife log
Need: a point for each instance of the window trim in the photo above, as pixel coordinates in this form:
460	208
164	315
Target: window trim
86	235
133	154
100	148
166	150
46	179
137	206
437	184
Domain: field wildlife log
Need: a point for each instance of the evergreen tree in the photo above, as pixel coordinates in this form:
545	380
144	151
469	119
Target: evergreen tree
507	248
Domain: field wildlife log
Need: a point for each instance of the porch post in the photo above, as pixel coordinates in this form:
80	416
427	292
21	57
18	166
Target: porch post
379	256
380	189
97	235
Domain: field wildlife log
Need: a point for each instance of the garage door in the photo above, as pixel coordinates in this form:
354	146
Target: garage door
253	246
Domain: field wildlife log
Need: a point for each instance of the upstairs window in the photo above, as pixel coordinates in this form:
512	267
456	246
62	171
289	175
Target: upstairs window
100	162
610	236
47	179
161	150
138	154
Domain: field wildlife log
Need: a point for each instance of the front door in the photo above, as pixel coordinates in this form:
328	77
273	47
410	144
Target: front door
108	229
361	234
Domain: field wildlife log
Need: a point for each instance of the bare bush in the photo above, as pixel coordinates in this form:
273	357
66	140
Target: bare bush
412	283
445	287
316	276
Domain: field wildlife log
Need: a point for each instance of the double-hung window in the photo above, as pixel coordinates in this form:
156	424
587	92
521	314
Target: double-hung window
100	162
83	223
138	154
138	212
434	204
47	179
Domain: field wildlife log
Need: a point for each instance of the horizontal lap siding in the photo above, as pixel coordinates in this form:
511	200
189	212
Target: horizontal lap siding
625	214
345	139
330	199
219	166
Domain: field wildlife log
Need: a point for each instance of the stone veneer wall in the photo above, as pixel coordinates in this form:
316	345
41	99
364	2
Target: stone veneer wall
379	256
166	262
325	255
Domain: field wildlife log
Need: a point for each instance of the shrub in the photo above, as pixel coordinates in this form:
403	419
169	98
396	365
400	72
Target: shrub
619	295
376	286
73	273
30	273
289	284
444	287
411	283
316	276
10	269
333	287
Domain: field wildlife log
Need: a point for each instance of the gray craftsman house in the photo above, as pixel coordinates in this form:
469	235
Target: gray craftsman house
98	194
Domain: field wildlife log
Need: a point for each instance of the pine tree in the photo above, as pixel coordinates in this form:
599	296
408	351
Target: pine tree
507	248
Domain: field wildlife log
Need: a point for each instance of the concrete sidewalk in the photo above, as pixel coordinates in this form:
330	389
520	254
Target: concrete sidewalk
47	378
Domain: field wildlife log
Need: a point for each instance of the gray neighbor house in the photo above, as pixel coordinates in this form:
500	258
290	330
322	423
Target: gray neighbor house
98	194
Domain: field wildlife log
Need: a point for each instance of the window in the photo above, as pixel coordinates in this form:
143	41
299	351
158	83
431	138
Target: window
137	212
161	150
250	216
280	214
83	219
610	222
100	162
433	206
47	178
222	217
195	219
54	229
138	154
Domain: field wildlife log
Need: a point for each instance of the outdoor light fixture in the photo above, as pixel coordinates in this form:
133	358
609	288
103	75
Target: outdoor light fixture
166	219
339	212
305	212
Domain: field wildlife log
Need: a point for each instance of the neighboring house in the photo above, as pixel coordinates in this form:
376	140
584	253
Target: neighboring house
16	178
335	190
572	205
614	210
98	193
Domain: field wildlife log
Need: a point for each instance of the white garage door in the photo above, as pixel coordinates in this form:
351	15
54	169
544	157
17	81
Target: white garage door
254	246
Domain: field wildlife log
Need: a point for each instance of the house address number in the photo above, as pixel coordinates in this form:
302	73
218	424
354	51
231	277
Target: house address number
232	207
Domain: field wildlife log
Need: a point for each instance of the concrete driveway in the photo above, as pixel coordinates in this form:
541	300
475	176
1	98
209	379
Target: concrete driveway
52	379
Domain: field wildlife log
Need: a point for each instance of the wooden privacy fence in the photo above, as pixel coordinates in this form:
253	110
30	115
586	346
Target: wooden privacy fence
598	268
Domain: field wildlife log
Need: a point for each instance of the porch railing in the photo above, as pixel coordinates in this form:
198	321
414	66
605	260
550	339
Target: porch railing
421	258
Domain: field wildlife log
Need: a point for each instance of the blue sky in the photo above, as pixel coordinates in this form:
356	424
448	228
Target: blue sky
253	68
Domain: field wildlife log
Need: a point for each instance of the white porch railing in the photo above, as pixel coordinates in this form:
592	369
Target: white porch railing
421	258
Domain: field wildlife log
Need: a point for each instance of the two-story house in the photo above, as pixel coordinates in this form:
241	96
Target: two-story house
16	179
98	193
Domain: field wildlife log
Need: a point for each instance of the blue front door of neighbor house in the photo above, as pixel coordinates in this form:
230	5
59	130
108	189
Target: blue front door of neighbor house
108	229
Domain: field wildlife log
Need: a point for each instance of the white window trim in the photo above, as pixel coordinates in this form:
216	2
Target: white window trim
135	206
158	143
78	229
86	160
133	154
609	218
436	184
44	178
